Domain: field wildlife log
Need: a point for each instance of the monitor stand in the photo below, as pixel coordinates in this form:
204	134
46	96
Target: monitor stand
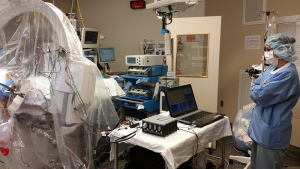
106	68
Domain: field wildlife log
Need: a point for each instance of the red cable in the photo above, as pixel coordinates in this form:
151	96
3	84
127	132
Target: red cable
22	158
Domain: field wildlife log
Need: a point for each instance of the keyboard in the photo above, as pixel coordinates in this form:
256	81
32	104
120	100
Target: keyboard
196	116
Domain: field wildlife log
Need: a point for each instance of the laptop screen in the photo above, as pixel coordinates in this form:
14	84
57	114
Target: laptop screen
181	100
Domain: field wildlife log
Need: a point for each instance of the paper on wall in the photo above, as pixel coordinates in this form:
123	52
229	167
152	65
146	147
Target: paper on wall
252	42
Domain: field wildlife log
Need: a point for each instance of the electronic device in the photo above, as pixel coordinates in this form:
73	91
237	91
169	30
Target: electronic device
106	54
138	4
169	9
168	81
139	92
159	125
144	60
135	118
90	38
91	55
182	105
138	104
173	5
147	71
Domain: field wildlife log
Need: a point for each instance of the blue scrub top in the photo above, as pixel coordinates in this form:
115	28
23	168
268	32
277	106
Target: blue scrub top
275	93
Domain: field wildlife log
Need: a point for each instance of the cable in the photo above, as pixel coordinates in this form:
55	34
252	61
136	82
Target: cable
197	146
80	14
22	158
124	137
101	155
119	140
219	158
102	164
197	142
125	157
72	2
185	131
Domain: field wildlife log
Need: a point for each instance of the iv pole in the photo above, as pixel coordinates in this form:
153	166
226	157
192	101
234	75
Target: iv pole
267	13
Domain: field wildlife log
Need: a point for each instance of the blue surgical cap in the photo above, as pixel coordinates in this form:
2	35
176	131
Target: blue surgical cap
283	47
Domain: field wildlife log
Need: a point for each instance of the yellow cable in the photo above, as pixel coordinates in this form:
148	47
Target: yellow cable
80	14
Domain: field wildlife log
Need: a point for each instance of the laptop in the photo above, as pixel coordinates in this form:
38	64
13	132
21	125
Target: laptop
182	106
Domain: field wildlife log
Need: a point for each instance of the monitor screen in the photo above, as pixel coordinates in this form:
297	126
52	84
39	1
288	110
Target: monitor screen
180	100
91	37
131	60
106	54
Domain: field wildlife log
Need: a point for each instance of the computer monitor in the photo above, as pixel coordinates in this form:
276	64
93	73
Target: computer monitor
106	54
90	38
91	55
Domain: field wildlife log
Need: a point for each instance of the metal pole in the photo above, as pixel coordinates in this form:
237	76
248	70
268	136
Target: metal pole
223	152
265	38
116	155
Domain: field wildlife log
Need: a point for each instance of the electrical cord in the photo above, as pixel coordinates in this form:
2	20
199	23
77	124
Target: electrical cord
124	138
197	147
190	128
103	152
102	164
80	14
119	140
219	158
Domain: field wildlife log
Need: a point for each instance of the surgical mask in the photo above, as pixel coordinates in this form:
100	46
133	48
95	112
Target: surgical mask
269	57
274	61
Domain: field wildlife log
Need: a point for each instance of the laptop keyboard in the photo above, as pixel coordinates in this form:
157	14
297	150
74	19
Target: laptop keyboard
196	116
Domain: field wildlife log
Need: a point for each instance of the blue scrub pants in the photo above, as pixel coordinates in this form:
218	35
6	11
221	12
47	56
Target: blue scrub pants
263	158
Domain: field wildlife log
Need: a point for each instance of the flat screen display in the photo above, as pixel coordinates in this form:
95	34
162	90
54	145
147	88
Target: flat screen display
131	60
180	100
106	54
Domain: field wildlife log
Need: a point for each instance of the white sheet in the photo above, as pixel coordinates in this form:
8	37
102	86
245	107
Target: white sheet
113	88
177	147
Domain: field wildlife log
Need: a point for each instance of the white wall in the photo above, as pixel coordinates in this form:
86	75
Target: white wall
234	57
205	89
125	28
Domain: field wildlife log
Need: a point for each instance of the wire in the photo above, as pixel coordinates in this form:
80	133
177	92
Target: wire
101	155
22	158
75	6
102	164
219	158
123	138
80	14
72	2
197	146
125	157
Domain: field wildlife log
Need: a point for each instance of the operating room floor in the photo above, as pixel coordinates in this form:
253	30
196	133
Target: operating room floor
292	157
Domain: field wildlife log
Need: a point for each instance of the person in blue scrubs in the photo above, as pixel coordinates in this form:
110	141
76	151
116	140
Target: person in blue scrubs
275	92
